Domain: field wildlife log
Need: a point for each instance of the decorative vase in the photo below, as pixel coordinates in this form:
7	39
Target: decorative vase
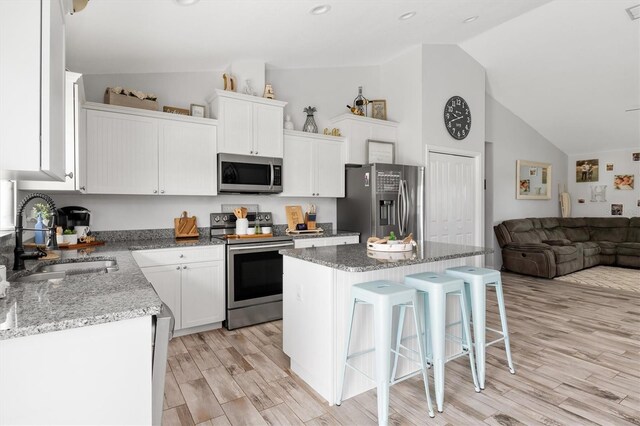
39	235
310	125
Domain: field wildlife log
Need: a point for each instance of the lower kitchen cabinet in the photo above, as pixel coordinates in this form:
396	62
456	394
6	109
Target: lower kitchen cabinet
189	280
325	241
313	165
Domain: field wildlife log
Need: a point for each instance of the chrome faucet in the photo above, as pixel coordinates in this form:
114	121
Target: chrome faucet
19	254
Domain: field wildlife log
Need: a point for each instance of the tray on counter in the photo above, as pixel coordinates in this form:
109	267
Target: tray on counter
397	247
316	231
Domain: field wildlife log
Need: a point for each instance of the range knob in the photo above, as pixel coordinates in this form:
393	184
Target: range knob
225	218
259	217
216	218
267	217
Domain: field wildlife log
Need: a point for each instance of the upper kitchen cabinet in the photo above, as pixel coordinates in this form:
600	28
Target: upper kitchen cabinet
132	151
248	125
357	130
313	165
32	71
74	127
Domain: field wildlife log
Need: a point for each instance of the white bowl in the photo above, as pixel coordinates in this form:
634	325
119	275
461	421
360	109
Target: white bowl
266	229
251	231
70	238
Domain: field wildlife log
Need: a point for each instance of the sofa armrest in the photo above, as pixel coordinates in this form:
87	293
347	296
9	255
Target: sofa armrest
533	247
560	242
535	259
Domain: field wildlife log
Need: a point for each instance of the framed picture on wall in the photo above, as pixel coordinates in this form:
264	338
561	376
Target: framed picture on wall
381	152
533	180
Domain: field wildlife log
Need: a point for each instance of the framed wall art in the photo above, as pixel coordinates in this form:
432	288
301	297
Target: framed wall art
381	152
533	180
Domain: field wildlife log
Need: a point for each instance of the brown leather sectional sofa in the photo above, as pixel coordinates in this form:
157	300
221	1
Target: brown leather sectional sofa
549	247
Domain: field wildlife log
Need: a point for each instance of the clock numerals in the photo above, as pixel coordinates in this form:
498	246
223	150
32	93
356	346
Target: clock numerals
457	117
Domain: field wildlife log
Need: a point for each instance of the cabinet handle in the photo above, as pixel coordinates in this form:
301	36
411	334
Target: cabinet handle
83	188
177	268
251	152
162	191
256	152
69	175
181	256
155	191
184	267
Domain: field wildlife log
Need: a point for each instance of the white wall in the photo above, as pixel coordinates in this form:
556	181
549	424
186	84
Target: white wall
401	83
115	212
512	139
623	164
330	90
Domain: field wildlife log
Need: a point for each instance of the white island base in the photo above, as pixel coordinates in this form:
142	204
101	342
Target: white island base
315	319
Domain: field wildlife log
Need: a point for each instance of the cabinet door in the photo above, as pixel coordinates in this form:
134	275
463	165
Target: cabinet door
32	90
235	129
122	153
309	242
358	135
268	130
329	176
166	282
384	133
203	293
297	167
187	158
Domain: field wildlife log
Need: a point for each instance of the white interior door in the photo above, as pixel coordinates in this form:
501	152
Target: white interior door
451	199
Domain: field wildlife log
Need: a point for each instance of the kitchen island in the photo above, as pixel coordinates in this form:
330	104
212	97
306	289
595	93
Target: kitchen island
316	289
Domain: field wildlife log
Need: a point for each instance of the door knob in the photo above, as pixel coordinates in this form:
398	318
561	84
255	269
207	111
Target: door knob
177	268
69	175
162	191
155	191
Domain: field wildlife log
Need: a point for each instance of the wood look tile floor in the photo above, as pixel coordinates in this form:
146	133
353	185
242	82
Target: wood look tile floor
576	350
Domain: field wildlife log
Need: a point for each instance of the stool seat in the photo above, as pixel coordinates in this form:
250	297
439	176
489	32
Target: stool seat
434	288
382	291
474	272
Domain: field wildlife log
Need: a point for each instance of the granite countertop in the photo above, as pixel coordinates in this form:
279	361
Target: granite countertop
356	257
84	299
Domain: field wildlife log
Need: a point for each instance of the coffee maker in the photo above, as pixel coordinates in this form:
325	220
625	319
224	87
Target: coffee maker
72	216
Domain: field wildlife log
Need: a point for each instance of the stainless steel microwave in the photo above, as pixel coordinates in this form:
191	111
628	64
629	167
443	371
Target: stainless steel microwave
248	173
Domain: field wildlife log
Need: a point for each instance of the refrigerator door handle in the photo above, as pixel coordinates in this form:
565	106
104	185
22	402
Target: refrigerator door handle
400	209
407	206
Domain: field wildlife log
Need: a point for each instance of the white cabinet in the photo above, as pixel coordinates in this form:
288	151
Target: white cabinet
189	280
313	165
32	84
248	125
142	152
357	130
74	131
325	241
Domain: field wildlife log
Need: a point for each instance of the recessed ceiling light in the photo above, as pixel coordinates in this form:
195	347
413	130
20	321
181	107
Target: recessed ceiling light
186	2
470	19
320	10
406	16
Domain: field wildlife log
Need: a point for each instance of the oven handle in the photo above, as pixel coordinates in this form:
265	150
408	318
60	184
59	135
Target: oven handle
261	246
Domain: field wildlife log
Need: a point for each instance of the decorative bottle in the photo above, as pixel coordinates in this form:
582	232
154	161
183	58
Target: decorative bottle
310	125
39	235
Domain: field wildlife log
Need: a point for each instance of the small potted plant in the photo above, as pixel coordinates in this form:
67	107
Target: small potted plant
70	236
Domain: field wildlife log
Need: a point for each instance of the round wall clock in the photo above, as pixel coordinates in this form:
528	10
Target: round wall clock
457	117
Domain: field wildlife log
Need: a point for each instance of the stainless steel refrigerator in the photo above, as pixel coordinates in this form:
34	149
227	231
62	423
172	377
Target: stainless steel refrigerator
380	198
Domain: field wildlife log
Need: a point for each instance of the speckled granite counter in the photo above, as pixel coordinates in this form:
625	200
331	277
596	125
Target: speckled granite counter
356	257
84	299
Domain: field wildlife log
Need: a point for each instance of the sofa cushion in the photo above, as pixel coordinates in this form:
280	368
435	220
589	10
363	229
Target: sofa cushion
612	229
629	249
607	247
634	230
589	248
565	253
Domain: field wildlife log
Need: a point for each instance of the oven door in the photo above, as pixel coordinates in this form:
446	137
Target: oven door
240	173
254	273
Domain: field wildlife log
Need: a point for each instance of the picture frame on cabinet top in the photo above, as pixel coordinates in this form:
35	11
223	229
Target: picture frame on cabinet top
379	109
197	110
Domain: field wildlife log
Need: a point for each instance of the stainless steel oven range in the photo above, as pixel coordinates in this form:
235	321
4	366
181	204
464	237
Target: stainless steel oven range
253	271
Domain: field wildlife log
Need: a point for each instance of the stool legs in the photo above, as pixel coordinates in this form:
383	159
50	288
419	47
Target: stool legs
436	312
503	321
382	327
421	349
477	291
466	337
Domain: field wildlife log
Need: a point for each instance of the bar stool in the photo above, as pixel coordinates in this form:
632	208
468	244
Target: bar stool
383	295
435	288
476	281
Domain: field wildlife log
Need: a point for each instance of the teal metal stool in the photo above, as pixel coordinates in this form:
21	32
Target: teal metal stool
383	296
435	288
476	281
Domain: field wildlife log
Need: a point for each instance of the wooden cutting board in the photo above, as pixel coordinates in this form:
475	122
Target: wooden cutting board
185	226
294	216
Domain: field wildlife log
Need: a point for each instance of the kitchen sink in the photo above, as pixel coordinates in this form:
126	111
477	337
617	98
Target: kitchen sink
61	270
80	267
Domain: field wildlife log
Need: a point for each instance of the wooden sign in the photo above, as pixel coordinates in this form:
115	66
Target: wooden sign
174	110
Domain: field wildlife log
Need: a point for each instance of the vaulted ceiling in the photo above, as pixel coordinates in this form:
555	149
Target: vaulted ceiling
569	68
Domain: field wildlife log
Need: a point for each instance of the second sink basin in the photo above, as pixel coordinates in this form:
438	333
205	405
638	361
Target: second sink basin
80	267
